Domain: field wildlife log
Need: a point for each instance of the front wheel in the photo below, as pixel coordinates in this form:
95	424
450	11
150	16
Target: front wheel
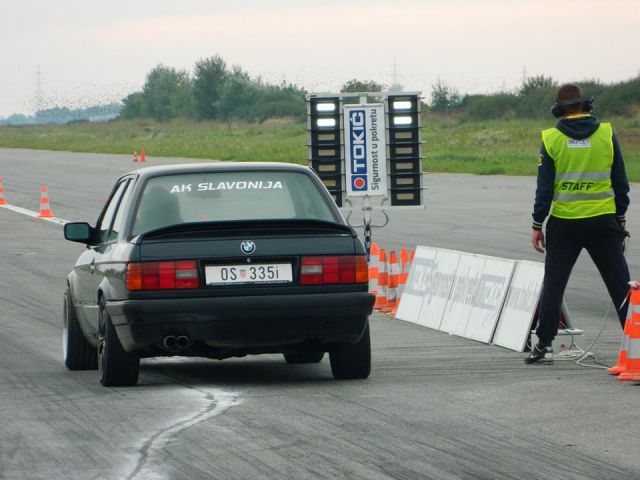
352	360
77	352
117	368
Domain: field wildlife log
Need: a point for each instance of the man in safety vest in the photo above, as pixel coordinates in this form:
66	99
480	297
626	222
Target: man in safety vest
582	181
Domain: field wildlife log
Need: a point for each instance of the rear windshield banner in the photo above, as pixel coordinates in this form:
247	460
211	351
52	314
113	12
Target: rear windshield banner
365	150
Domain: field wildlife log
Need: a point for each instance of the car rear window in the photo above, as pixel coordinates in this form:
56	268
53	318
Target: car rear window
248	195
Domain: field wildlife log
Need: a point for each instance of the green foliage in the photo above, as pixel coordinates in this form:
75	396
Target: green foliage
482	107
620	98
531	84
355	86
133	106
166	94
215	92
210	75
443	97
535	97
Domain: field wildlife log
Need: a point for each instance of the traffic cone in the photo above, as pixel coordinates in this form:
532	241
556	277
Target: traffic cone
142	156
45	208
3	201
374	268
383	277
622	357
135	156
403	276
392	288
632	363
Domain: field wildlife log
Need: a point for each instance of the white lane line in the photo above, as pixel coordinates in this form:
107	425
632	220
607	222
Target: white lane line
33	214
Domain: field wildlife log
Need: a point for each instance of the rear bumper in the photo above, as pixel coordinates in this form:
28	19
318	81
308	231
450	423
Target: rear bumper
243	322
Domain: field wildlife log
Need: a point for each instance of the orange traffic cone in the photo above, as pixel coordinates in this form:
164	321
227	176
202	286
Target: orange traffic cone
45	208
142	156
392	287
3	201
135	156
383	277
622	357
374	268
403	276
632	363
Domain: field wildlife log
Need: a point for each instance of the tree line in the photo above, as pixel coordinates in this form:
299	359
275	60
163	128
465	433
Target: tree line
213	91
533	99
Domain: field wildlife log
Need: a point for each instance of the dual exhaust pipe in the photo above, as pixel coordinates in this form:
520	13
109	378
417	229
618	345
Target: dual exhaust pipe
176	343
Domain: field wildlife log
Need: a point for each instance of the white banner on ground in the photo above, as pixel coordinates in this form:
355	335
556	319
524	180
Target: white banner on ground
489	298
437	296
457	292
465	285
520	306
418	284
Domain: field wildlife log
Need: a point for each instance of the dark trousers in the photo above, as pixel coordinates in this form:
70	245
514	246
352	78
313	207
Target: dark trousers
603	238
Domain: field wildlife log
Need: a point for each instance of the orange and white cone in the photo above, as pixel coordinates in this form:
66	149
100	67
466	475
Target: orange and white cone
143	158
45	208
632	363
621	366
403	276
383	278
135	156
374	268
392	289
3	201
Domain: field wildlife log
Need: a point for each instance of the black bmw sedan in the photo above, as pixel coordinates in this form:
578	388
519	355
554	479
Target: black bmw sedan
217	260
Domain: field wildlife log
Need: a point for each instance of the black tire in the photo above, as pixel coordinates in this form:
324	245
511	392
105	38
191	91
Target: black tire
116	367
303	357
352	360
78	353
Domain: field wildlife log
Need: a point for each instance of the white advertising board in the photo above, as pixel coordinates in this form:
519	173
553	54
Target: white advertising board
437	295
520	305
465	284
489	298
365	150
417	284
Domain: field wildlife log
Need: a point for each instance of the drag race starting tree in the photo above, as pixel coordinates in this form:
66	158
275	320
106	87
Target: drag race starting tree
367	150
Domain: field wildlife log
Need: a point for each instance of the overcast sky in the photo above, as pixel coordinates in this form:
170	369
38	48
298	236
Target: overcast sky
97	52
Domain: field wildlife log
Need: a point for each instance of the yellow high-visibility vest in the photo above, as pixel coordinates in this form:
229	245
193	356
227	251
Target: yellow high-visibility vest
582	187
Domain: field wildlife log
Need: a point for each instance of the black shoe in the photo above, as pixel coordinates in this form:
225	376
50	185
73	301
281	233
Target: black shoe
540	354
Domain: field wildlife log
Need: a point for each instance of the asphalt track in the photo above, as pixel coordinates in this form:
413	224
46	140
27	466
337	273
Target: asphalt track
435	407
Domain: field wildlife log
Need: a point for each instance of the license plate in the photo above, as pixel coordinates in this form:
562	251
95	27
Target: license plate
248	273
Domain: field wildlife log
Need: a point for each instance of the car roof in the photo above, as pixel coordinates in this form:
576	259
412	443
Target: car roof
218	167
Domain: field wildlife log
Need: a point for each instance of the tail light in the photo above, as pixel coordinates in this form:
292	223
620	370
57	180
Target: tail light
337	270
162	275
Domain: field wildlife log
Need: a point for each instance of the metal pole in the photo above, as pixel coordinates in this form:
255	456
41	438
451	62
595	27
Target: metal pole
366	221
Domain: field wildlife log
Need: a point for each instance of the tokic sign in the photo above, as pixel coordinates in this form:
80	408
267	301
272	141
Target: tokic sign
365	150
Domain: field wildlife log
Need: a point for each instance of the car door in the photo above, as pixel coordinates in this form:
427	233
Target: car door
90	267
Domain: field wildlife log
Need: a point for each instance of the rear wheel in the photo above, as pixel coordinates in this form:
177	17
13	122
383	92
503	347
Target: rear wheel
352	360
78	353
303	357
117	367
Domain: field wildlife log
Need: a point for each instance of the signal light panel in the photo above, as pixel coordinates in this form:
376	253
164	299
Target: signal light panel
404	149
325	124
325	147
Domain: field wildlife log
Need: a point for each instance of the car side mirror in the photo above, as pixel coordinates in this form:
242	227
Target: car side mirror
78	232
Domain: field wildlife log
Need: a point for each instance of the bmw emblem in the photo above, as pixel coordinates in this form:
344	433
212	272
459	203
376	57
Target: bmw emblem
248	247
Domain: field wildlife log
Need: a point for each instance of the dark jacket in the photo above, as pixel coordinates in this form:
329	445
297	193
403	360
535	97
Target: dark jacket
579	128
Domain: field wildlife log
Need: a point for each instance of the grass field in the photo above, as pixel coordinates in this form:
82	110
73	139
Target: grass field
485	148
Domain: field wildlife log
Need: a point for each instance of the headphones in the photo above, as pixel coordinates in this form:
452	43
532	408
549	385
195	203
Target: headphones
558	109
